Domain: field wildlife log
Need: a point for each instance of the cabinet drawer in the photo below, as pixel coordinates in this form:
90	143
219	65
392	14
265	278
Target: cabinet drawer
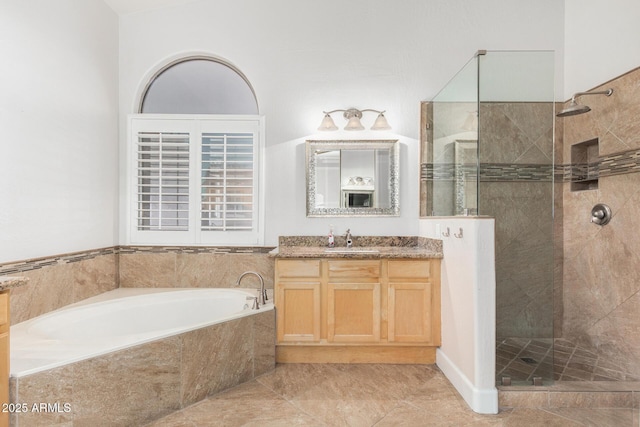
409	269
298	268
354	268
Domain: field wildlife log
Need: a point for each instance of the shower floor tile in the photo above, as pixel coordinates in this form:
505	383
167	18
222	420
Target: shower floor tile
523	359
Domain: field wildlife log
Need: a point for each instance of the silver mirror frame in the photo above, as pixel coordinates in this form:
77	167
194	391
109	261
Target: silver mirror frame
394	173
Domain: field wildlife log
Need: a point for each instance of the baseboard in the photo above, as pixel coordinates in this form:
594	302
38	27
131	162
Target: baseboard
355	354
480	400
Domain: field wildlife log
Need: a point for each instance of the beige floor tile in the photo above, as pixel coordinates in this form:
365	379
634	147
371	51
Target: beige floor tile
598	417
531	417
391	381
409	416
291	379
250	404
370	395
177	419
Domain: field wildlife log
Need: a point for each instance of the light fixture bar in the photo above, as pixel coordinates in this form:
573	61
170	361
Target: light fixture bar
353	116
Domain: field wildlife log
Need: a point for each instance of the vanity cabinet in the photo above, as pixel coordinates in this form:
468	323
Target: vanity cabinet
357	310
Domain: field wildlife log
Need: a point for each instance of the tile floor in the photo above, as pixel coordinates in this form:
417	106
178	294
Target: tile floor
523	358
370	395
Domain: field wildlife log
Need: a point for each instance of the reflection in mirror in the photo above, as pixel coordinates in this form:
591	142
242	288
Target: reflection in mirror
352	178
466	177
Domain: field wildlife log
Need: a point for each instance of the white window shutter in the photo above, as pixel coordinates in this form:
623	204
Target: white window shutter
163	181
195	180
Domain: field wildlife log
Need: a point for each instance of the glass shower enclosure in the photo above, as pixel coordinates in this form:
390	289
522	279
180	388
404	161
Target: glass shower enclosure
490	152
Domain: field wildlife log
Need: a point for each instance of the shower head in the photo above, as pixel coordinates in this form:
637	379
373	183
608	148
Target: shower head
574	108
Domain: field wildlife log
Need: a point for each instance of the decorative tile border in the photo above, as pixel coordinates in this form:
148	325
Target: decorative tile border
196	249
37	263
608	165
488	172
620	163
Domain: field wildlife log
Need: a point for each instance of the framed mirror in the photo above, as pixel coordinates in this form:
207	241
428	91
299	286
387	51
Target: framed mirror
352	178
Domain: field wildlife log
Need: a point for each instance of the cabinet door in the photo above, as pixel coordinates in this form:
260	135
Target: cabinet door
413	301
353	312
409	312
297	300
298	311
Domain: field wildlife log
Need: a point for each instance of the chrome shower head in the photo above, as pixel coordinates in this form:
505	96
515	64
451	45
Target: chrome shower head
574	108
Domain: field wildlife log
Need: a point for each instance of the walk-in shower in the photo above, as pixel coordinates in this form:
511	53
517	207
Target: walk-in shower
490	153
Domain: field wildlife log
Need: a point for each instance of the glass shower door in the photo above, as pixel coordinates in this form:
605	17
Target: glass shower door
491	153
516	187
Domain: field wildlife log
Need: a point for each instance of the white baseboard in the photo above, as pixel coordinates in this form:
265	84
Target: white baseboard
480	400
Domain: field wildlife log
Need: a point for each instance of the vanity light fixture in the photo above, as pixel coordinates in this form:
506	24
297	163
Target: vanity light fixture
353	116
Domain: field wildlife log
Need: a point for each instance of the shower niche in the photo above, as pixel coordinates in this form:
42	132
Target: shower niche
585	165
487	149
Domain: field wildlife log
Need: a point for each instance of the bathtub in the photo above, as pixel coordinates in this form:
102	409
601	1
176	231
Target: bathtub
134	355
120	319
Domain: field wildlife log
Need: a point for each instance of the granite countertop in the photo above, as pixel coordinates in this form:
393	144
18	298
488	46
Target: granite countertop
7	282
363	247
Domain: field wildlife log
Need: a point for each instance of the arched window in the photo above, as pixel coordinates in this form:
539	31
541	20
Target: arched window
199	86
196	157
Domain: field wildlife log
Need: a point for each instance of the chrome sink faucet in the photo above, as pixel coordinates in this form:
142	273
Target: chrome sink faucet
349	238
262	297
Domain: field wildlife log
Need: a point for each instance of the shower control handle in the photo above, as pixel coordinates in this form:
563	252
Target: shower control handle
601	214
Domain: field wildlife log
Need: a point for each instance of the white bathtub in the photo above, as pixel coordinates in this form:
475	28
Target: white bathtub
119	319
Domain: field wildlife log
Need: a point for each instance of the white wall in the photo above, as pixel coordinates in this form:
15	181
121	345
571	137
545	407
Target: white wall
58	115
468	305
602	41
306	57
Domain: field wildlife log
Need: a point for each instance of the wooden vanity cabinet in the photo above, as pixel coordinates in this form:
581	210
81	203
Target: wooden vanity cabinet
357	310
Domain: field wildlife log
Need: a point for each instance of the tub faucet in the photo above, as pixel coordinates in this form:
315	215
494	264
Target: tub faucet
262	297
349	238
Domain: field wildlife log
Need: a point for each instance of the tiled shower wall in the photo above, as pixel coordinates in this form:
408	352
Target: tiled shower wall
517	189
602	264
65	279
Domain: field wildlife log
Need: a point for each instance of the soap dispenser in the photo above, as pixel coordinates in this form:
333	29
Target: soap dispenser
331	242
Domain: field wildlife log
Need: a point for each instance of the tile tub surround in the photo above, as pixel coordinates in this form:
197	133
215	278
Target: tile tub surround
7	282
142	383
193	267
601	289
60	280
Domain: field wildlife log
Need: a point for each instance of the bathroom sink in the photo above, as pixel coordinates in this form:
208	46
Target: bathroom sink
351	251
